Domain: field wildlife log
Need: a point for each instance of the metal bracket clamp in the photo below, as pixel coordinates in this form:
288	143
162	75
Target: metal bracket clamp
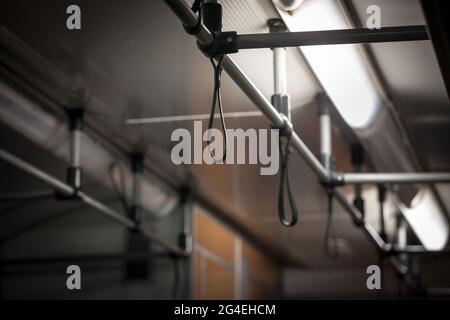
210	16
336	179
276	25
223	43
281	102
286	129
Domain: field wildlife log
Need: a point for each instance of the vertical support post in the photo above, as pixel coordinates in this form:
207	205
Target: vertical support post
279	62
326	155
137	166
402	235
74	172
137	268
280	98
186	235
402	242
326	147
357	153
186	239
382	200
414	266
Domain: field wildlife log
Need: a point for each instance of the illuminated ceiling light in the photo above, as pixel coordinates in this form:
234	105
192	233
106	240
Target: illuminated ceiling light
288	5
339	68
426	220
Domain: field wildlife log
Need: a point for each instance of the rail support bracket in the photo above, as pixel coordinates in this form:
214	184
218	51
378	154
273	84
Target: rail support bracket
286	129
222	44
335	179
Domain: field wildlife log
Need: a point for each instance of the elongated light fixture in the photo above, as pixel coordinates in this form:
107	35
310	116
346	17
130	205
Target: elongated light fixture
340	68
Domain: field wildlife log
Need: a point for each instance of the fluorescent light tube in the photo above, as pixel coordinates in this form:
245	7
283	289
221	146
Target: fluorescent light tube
426	220
339	68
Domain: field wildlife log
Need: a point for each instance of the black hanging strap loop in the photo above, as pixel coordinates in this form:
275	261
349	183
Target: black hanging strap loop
284	179
217	100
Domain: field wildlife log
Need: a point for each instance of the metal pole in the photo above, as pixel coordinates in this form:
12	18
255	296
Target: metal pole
326	145
357	159
330	37
280	97
137	168
382	190
32	170
74	172
247	86
402	235
137	189
187	227
396	178
279	72
93	203
75	137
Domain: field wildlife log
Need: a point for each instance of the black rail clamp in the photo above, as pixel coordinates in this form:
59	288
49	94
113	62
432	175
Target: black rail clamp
286	129
210	16
276	25
223	43
281	102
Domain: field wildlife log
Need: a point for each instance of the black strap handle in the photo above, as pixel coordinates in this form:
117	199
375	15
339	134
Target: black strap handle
284	179
217	100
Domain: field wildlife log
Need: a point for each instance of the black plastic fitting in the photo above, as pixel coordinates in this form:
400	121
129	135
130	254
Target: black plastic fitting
212	16
324	104
281	103
137	214
75	118
74	177
358	202
286	129
137	162
357	155
223	43
276	25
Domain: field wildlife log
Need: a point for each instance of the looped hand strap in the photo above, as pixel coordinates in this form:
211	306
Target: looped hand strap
284	178
217	100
